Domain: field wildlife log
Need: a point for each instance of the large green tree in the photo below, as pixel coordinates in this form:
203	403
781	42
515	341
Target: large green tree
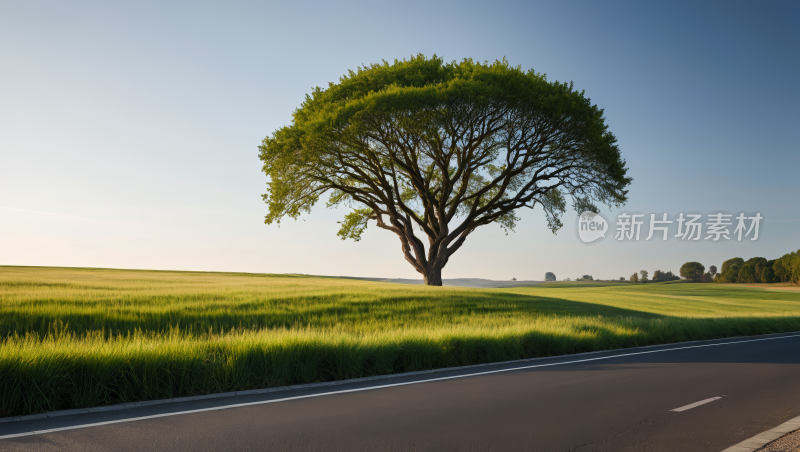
431	151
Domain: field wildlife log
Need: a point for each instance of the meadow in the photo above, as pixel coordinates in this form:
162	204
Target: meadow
74	338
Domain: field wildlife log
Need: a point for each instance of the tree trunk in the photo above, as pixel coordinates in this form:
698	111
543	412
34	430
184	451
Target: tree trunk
433	275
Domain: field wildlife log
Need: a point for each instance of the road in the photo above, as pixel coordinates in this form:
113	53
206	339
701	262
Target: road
612	401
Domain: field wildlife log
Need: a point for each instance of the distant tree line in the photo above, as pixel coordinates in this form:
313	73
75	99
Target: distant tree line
760	270
658	276
693	271
755	270
550	276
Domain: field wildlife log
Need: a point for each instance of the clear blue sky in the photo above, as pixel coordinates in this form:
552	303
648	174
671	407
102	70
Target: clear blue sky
129	130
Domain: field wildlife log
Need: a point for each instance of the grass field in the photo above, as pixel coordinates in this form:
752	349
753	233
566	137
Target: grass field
84	337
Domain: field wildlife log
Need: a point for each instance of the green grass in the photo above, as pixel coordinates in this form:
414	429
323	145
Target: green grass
84	337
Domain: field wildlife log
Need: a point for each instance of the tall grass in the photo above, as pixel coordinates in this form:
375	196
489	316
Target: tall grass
79	338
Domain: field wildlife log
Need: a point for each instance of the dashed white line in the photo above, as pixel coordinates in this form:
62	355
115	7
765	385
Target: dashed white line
696	404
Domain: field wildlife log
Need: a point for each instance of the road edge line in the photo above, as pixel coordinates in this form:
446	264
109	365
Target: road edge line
762	439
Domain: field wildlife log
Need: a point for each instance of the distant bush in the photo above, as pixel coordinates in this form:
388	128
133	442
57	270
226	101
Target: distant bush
549	276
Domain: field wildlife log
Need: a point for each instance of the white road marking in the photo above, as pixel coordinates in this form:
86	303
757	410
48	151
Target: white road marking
692	405
345	391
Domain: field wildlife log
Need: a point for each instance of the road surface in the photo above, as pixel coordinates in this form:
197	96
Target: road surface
611	401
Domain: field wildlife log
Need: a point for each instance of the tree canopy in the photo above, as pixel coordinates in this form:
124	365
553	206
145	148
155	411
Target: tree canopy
746	274
692	270
433	150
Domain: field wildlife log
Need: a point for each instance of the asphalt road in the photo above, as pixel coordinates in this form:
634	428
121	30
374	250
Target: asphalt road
572	403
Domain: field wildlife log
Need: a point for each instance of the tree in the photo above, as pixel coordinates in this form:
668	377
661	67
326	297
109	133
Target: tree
644	275
657	275
769	265
730	263
796	269
634	278
692	270
746	274
779	270
622	278
549	276
713	270
785	267
758	264
767	275
430	151
586	278
730	270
